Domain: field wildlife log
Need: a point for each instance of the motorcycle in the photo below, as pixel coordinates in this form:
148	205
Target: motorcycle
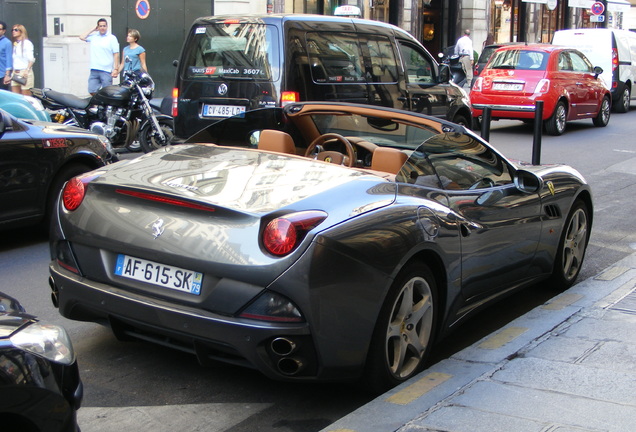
458	76
122	113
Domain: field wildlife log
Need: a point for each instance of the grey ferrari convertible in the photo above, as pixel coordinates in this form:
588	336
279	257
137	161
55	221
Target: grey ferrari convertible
316	241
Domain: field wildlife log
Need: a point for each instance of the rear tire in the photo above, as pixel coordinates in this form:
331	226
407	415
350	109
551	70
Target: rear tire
622	105
150	141
405	329
602	119
555	125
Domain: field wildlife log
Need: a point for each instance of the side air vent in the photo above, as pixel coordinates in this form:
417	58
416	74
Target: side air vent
552	211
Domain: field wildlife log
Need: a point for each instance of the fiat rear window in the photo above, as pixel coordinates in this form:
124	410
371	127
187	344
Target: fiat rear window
519	59
233	50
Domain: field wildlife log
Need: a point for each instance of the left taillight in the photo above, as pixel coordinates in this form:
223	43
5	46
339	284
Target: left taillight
75	189
283	234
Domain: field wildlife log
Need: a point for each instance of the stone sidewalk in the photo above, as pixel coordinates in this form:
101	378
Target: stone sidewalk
568	365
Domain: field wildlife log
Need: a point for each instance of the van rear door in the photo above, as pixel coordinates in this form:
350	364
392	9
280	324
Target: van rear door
227	66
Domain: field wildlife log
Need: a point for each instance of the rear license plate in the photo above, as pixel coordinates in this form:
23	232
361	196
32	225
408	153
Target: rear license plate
159	274
222	110
507	86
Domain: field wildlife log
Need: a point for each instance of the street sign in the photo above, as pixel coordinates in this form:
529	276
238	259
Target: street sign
598	8
142	8
597	18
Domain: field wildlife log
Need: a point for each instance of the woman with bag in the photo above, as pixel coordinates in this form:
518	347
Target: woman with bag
23	58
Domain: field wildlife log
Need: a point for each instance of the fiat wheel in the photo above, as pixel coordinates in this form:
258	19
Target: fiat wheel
602	119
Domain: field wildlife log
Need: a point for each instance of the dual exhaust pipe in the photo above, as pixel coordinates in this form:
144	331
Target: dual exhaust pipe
287	365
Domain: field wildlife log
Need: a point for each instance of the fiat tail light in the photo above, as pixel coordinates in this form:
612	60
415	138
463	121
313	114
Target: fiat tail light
543	86
283	234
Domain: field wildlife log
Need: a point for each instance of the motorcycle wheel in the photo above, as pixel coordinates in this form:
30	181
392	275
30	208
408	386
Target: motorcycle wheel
150	141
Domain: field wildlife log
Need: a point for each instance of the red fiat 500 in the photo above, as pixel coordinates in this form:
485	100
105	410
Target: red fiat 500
563	78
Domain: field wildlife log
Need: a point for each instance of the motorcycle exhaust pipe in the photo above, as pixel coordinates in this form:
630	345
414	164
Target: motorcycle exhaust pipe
55	293
283	346
291	365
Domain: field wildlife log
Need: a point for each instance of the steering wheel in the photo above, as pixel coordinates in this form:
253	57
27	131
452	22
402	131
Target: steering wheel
332	156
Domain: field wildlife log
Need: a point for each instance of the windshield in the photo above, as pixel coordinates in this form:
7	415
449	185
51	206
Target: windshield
519	59
233	50
379	131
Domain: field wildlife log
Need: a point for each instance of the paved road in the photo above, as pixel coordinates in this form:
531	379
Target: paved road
146	387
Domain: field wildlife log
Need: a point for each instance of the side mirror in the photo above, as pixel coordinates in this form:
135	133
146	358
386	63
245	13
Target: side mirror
444	73
597	71
528	182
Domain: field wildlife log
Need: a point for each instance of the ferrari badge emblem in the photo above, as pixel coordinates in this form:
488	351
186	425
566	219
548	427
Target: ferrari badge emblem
157	228
328	159
550	187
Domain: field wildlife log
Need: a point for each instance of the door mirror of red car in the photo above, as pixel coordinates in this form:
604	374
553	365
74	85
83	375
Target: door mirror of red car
598	71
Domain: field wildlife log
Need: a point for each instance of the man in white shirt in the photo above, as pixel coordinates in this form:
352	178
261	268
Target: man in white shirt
464	49
104	56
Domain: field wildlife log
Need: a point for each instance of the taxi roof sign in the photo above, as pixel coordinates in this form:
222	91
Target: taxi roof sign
347	10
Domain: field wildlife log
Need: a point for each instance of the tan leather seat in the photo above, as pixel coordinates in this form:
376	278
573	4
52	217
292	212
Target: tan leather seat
276	141
388	160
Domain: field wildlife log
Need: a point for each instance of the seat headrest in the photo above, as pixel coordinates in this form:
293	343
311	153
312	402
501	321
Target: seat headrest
388	159
276	141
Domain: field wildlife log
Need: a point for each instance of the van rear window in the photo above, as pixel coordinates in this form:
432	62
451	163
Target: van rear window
233	50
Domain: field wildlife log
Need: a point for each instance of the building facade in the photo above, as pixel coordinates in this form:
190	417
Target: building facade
62	59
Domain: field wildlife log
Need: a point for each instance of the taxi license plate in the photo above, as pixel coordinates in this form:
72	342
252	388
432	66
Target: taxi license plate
222	110
161	275
507	86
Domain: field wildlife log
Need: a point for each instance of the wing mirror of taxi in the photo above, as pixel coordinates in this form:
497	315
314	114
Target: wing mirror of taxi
444	73
175	63
528	182
598	71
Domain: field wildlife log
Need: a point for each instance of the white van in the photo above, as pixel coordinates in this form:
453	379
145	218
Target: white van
614	51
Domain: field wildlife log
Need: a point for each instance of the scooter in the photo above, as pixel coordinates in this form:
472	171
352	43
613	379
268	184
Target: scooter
458	76
122	113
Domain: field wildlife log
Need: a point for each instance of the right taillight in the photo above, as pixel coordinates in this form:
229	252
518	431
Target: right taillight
283	234
175	102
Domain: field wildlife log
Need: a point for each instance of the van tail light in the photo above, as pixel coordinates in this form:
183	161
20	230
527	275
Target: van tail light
289	97
542	86
283	234
175	102
615	59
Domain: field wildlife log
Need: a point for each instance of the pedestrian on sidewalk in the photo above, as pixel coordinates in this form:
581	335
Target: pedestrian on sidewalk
23	59
6	57
464	49
104	50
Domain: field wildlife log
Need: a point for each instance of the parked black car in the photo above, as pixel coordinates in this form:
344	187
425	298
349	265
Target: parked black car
40	386
36	159
233	64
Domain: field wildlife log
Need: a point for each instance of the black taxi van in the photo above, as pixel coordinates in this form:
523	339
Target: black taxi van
230	64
